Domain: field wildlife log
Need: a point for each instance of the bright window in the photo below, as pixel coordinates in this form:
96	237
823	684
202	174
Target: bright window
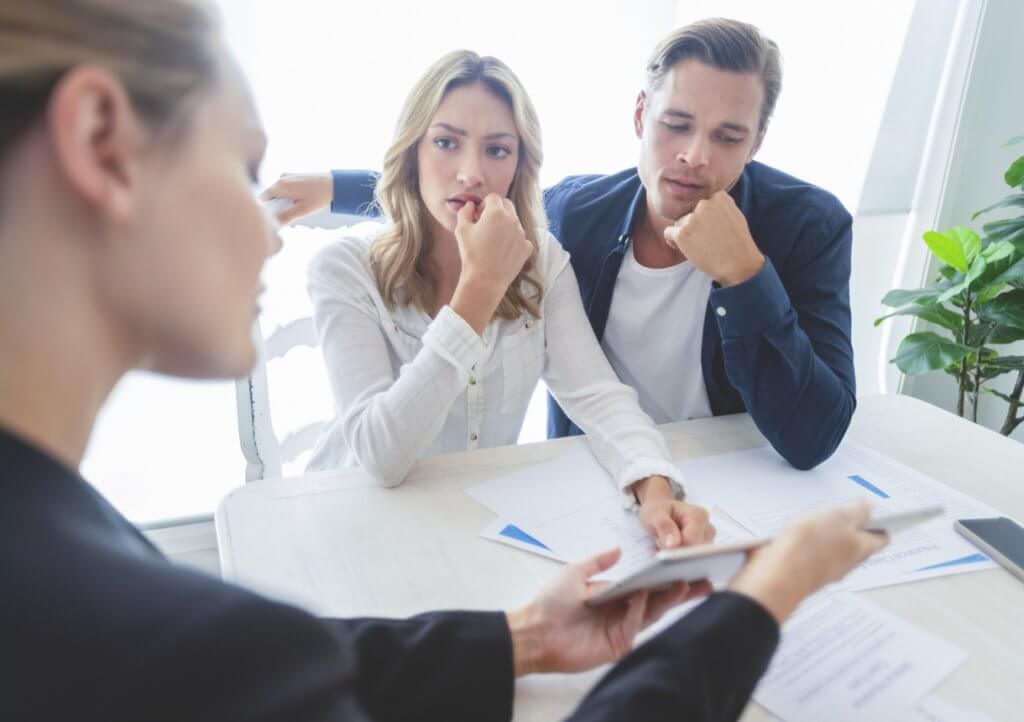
330	77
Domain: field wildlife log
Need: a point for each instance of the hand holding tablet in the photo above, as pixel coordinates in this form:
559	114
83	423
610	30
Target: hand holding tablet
720	562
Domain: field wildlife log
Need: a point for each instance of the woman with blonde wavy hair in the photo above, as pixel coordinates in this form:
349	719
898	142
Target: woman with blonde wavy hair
436	324
115	115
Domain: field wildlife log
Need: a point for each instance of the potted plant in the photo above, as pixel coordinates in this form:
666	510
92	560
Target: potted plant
977	301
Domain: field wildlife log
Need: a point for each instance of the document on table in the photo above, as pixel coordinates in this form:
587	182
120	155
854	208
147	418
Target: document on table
501	531
762	492
572	506
933	709
844	659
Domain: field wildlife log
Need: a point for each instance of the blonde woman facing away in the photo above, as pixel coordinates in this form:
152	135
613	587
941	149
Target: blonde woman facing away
437	324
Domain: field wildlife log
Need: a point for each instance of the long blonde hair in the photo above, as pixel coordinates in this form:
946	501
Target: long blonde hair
400	256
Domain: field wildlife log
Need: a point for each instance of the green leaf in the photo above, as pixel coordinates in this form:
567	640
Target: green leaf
1006	230
1006	334
1014	273
1015	173
902	297
998	251
1014	141
933	314
1006	309
989	292
977	269
979	335
1011	200
999	257
957	247
952	291
1008	363
927	351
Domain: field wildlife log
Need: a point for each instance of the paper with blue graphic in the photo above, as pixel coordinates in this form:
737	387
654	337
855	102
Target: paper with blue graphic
762	492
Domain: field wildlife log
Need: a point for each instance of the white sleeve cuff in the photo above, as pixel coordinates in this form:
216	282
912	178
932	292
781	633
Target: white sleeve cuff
454	340
640	469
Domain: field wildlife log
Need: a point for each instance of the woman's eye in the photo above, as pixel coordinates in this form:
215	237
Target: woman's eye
444	143
499	151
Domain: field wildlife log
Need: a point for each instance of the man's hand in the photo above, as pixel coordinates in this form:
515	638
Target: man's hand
309	193
716	239
557	632
671	522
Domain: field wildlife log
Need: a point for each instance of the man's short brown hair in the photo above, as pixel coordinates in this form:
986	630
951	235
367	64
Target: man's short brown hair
724	44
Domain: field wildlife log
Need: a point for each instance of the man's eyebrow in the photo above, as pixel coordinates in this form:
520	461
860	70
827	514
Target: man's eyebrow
682	114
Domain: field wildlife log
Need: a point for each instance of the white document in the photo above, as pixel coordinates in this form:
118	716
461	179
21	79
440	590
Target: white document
763	493
934	709
501	531
844	659
573	507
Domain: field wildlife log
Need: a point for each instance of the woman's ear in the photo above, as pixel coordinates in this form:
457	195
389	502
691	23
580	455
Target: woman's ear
96	139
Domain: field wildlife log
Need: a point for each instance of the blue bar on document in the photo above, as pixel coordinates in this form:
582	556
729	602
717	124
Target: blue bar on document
969	559
514	532
867	485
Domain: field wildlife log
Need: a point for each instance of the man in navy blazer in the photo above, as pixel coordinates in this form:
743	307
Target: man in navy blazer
716	284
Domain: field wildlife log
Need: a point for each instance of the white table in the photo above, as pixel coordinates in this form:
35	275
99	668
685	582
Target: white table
339	545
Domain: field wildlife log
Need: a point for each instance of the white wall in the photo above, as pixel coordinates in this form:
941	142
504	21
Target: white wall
993	112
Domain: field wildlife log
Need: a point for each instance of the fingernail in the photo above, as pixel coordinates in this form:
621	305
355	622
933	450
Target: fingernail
669	540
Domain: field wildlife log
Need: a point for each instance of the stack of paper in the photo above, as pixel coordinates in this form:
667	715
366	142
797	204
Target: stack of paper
844	659
840	658
764	493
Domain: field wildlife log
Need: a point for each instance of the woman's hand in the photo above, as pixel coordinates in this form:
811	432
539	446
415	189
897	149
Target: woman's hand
670	521
309	193
493	248
557	632
815	551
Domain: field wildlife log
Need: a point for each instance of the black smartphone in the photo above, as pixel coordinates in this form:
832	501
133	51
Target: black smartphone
1000	538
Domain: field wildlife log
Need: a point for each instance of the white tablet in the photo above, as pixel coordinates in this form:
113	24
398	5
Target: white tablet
717	562
721	562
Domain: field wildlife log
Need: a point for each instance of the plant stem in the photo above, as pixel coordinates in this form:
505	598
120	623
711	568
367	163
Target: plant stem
1012	422
963	362
977	386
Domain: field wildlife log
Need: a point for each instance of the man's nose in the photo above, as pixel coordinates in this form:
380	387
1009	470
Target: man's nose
697	153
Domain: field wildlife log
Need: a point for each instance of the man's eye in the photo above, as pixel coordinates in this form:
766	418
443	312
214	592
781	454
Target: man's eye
676	128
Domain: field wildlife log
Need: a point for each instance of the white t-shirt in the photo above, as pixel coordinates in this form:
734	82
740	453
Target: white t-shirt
407	386
654	337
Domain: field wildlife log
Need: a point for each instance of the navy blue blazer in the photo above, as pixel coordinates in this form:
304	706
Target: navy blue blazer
777	346
97	625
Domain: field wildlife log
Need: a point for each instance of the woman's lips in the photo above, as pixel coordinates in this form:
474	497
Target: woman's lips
464	198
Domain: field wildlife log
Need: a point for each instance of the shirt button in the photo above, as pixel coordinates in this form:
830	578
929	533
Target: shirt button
529	324
472	380
721	311
472	437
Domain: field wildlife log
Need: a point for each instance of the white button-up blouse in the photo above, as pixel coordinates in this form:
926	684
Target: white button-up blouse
407	386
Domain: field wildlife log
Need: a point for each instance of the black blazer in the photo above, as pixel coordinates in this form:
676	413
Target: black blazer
95	624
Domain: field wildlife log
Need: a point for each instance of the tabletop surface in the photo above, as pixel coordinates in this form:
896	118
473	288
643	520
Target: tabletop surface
338	544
